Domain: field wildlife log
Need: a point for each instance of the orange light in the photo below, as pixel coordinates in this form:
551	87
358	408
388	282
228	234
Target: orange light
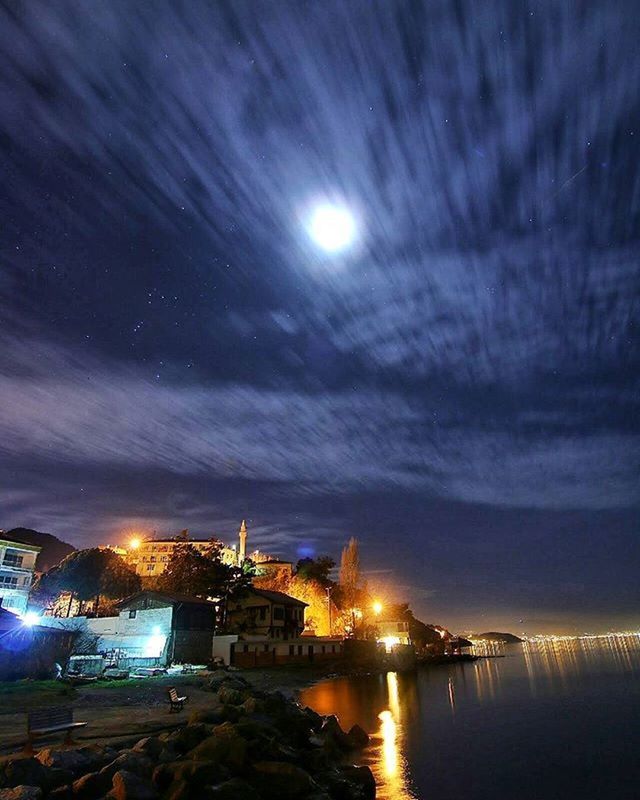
377	607
134	544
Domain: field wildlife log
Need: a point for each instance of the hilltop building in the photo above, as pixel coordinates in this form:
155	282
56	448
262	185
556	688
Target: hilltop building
17	565
150	557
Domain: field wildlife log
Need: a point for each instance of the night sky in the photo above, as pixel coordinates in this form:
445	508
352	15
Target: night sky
457	387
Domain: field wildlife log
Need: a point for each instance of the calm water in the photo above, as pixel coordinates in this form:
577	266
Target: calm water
550	720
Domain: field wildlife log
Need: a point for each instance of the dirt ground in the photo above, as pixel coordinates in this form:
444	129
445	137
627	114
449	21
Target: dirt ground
118	711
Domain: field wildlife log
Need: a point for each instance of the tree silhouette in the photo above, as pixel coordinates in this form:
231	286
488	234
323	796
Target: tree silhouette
88	575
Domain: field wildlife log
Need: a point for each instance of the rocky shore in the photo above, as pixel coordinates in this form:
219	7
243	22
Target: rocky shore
250	744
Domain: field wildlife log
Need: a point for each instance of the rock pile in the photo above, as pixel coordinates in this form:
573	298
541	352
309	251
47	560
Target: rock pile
249	745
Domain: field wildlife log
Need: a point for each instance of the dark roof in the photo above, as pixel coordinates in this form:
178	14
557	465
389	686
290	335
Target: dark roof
278	597
170	597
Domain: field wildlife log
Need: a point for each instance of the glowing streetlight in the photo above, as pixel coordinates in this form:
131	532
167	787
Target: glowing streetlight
30	618
134	544
377	608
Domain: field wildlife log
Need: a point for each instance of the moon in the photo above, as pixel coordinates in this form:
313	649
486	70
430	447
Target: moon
332	227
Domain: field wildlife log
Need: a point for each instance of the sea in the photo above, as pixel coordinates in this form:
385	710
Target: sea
551	718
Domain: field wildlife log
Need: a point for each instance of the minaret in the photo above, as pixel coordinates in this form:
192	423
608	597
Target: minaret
242	551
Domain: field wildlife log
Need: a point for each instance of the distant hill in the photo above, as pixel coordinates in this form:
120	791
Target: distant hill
495	636
53	549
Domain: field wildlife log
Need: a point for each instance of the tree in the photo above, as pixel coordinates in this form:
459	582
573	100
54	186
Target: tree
203	574
350	581
88	575
316	569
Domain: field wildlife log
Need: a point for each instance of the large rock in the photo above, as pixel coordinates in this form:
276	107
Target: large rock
279	779
362	777
78	760
61	793
185	739
230	696
91	785
225	746
23	772
128	761
357	737
235	789
149	746
21	792
128	786
332	731
315	720
207	716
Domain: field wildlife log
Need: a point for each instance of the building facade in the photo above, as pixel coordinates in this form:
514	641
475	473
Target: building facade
271	615
17	565
149	558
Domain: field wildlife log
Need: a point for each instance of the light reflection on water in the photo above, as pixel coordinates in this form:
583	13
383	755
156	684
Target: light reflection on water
552	706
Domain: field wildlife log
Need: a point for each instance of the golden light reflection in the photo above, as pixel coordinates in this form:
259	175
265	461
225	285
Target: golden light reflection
388	730
390	767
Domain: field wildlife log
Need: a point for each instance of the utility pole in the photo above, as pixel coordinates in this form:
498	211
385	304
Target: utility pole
328	591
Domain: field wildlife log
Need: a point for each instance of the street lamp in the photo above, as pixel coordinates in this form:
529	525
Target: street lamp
377	608
134	544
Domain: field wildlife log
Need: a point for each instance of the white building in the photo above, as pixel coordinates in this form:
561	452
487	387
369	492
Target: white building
17	565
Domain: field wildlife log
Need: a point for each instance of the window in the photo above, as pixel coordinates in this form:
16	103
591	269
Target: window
278	612
150	567
324	649
132	614
6	580
245	648
153	558
266	648
13	559
291	650
263	612
299	649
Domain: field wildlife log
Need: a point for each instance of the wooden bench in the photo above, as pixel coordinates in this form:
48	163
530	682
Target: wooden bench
50	720
176	703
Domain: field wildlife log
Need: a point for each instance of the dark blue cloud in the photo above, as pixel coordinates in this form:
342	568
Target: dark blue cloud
165	312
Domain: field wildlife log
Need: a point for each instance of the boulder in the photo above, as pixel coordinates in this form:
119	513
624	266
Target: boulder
149	746
181	791
61	793
230	696
187	738
357	737
362	777
129	761
24	772
21	792
224	746
219	679
91	785
235	789
315	720
331	730
279	779
128	786
207	716
78	761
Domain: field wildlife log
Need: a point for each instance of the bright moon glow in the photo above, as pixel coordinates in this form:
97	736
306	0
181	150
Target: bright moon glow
332	228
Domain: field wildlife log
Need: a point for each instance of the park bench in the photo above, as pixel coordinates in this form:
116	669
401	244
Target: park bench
176	703
50	720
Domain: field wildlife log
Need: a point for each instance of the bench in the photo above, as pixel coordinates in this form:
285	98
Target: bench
176	703
50	720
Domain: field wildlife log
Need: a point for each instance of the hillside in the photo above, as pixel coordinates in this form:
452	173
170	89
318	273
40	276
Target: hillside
495	636
53	549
